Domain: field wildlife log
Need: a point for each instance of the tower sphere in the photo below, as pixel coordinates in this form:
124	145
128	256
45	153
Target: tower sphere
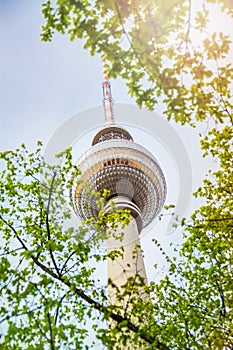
116	163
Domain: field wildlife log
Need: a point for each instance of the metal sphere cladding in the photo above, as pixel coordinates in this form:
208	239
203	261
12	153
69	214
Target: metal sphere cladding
116	163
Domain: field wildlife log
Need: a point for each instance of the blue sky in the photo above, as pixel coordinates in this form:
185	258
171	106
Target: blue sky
43	84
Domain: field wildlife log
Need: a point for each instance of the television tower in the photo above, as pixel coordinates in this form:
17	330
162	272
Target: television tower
135	181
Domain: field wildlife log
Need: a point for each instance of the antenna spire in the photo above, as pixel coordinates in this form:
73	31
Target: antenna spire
107	97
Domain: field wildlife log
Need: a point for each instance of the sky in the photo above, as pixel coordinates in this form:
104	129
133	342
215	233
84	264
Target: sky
43	85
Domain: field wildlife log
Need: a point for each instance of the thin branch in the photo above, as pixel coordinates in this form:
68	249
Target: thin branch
41	330
36	179
8	317
59	305
209	220
128	38
52	345
11	251
66	262
47	222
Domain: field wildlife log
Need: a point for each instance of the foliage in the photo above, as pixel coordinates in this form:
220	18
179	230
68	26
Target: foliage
49	295
196	297
48	291
163	49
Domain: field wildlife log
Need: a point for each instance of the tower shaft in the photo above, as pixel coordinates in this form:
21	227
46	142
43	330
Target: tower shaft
127	266
130	262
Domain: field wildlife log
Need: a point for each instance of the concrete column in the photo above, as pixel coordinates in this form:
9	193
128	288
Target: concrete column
131	262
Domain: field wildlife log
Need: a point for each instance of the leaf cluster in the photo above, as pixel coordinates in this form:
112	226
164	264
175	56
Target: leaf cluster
163	50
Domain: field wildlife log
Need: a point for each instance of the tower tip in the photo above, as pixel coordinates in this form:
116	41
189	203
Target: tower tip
107	96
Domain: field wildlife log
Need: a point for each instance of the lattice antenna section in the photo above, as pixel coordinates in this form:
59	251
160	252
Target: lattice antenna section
107	100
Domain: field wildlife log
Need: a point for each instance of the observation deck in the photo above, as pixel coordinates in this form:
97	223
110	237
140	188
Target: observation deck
116	163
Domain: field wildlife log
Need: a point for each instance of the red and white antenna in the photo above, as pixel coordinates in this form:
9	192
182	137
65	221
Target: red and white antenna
107	100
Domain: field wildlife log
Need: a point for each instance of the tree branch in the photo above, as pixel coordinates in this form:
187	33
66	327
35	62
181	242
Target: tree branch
59	305
11	251
52	346
101	308
96	305
47	222
8	317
